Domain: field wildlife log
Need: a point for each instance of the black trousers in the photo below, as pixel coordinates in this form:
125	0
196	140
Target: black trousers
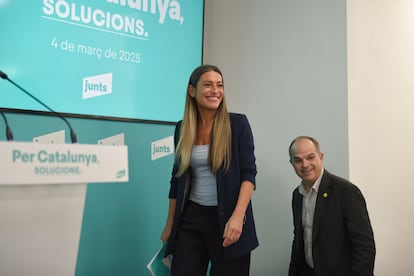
308	271
199	243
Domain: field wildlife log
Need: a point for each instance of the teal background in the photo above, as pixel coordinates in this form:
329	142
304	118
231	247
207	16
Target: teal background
122	222
153	89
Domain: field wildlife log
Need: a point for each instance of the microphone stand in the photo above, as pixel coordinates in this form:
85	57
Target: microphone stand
72	133
9	133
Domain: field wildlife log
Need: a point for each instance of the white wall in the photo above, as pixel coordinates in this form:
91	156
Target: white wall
333	69
381	123
284	65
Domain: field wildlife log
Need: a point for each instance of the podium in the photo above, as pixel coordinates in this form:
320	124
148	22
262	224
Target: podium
42	196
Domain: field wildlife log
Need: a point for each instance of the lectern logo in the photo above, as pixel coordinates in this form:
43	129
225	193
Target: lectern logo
120	174
98	85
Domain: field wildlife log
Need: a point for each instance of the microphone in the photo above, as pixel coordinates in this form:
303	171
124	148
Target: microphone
9	133
72	133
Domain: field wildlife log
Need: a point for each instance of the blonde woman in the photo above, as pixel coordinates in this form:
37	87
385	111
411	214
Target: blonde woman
210	218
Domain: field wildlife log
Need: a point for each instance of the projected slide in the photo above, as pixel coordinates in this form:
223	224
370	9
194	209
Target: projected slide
112	58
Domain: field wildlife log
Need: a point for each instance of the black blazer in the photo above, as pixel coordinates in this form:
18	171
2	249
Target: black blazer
242	167
342	237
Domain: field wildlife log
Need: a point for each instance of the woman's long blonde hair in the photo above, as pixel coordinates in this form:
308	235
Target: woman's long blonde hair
220	146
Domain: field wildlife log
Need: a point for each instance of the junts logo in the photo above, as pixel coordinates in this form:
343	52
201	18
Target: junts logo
98	85
162	148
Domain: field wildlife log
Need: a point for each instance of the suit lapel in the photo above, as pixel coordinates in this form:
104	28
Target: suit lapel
297	208
321	203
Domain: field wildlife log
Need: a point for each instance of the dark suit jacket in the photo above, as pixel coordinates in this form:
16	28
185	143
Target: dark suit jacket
342	237
242	167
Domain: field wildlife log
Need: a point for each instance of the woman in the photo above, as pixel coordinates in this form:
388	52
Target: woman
210	218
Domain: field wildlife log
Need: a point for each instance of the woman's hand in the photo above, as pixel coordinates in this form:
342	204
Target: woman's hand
234	226
166	233
233	229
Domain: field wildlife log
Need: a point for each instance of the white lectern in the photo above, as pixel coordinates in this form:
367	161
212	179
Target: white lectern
42	195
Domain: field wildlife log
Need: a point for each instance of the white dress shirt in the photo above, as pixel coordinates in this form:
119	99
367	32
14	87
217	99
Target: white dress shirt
308	211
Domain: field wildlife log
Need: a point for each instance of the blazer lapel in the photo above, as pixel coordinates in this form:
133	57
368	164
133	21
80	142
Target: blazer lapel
297	209
321	203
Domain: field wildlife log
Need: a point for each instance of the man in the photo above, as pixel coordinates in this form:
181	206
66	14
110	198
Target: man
332	230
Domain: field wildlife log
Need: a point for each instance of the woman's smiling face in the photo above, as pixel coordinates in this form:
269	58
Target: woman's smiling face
209	91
